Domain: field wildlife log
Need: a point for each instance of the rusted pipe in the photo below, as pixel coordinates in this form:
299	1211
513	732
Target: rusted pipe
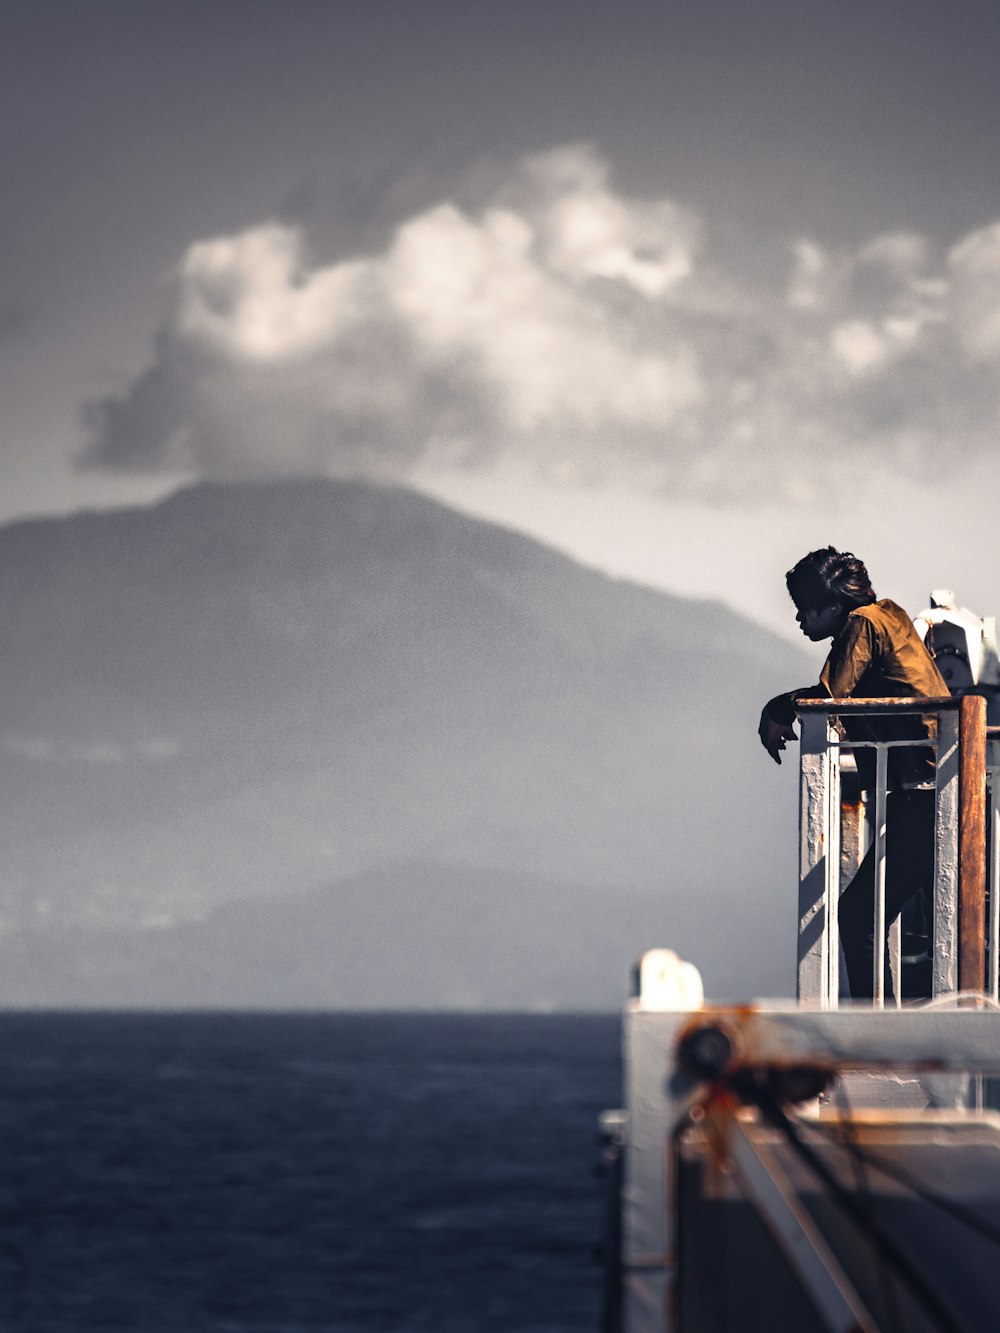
910	704
972	843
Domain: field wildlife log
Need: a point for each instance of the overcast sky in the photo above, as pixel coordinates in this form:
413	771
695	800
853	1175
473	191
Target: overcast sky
683	288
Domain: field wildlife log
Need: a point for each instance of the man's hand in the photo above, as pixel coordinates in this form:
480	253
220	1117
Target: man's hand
774	734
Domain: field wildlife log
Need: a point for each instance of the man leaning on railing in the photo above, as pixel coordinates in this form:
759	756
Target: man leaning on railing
876	654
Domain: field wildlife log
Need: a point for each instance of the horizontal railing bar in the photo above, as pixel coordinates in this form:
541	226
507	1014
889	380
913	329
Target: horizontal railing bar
912	704
848	744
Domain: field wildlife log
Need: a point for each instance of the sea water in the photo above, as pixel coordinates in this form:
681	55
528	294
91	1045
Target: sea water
375	1173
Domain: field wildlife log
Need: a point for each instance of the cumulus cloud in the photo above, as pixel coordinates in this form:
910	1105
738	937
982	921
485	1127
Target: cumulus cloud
579	327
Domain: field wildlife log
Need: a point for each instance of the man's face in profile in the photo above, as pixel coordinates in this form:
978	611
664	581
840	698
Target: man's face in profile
820	622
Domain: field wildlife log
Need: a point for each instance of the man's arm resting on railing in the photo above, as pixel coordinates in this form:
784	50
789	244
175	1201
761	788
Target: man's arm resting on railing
849	658
778	715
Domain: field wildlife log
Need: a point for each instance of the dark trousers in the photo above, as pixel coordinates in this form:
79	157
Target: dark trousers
909	868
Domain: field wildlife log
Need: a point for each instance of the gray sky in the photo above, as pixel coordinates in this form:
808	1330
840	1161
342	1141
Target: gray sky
685	289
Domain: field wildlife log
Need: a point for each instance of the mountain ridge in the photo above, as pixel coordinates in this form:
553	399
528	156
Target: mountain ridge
256	689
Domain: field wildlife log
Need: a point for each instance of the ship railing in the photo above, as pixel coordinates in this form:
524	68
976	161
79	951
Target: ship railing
965	939
993	861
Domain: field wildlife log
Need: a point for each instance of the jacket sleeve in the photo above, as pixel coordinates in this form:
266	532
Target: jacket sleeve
782	707
853	652
850	657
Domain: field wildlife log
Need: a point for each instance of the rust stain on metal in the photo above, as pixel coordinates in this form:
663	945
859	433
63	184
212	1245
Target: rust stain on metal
913	704
972	844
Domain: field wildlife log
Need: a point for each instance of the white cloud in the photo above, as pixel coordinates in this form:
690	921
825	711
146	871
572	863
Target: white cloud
858	346
553	358
974	266
590	232
810	279
571	325
249	297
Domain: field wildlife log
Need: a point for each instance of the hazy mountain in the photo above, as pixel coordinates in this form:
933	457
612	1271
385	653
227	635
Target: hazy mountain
318	742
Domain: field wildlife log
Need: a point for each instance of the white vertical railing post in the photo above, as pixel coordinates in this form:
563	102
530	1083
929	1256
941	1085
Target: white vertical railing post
855	835
878	838
896	958
944	952
831	877
819	861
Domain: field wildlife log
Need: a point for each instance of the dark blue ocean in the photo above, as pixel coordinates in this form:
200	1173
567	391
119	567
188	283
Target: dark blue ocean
222	1173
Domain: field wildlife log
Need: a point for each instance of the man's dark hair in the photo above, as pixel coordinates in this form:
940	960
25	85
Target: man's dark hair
828	575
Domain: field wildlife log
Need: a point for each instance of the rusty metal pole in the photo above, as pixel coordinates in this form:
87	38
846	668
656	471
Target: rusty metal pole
972	843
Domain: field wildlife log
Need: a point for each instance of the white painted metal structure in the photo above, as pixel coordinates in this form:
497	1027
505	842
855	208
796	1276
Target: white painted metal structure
821	864
667	1100
709	1121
